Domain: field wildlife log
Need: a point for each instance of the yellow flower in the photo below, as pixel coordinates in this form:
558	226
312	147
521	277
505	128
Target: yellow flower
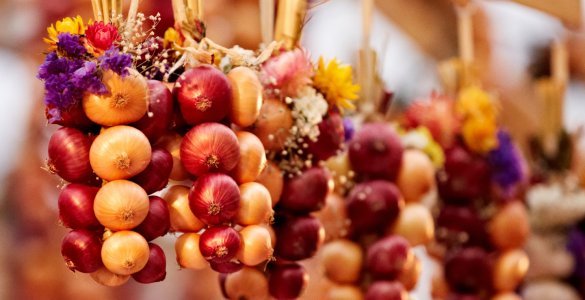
474	102
422	139
71	25
480	134
172	37
336	83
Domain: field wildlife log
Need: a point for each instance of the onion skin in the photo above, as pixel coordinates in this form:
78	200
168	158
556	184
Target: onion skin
386	257
105	277
255	205
156	175
81	251
187	252
469	270
248	283
333	216
220	244
252	158
344	292
256	245
226	267
182	218
372	205
172	143
510	268
411	273
121	205
210	147
416	176
457	219
76	207
155	268
204	94
287	281
375	152
273	179
246	96
273	125
73	117
215	199
125	252
158	220
306	192
120	152
157	121
386	290
342	261
298	237
69	155
331	137
416	224
509	228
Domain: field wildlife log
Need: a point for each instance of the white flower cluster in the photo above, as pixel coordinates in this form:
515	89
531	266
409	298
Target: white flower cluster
308	110
555	205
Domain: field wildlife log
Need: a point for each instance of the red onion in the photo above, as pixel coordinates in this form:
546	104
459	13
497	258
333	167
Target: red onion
69	155
226	267
386	257
157	121
157	222
457	296
76	207
287	281
81	250
204	94
215	198
73	117
386	290
469	270
222	280
372	205
331	137
298	237
210	147
219	244
307	192
461	225
376	151
155	269
156	175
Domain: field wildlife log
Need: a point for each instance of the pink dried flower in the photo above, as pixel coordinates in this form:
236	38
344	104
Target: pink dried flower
288	72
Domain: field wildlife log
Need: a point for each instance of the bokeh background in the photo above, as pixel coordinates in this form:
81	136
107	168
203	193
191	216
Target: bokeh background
411	38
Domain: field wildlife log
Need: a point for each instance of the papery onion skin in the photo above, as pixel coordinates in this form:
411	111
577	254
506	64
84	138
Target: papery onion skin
121	205
158	220
226	267
509	227
126	102
344	292
331	138
81	251
416	176
125	252
156	175
342	261
69	155
252	158
172	143
220	243
386	257
248	283
120	152
411	273
105	277
210	147
215	198
455	220
469	270
386	290
188	253
298	237
375	152
255	205
510	268
273	124
306	192
287	281
256	245
182	218
157	121
415	223
155	268
273	179
76	207
204	94
246	96
333	216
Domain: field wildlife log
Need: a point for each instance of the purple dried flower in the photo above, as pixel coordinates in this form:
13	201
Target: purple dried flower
70	45
60	91
505	162
348	128
87	78
116	61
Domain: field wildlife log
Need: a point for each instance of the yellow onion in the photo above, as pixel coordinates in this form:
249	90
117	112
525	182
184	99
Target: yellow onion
255	204
125	252
246	96
105	277
182	218
340	170
333	216
252	158
119	152
507	296
510	269
172	143
271	232
411	272
126	102
247	283
256	245
121	205
344	292
188	254
342	260
273	124
415	223
416	176
439	285
272	178
509	227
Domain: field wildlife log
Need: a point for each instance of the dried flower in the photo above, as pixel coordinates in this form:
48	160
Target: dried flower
479	134
421	138
336	83
87	77
437	115
505	162
308	111
288	72
101	36
474	102
56	73
71	25
116	61
553	205
70	45
172	37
